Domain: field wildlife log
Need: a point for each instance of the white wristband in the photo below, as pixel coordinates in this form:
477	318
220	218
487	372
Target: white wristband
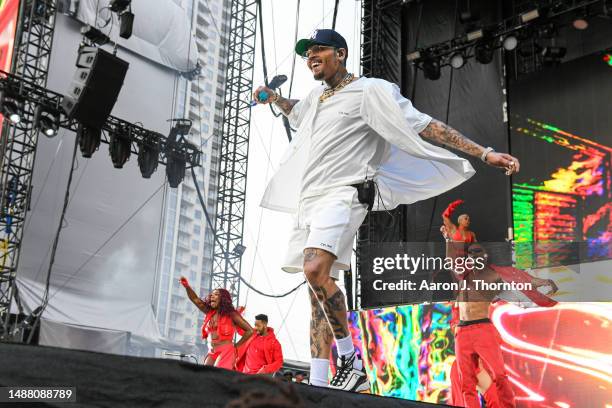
488	150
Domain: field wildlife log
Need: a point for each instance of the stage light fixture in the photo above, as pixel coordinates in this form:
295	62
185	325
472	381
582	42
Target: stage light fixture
580	23
118	6
608	59
239	250
148	156
12	107
120	147
94	35
457	60
529	16
175	170
431	69
413	56
89	140
46	120
484	52
475	35
553	55
510	43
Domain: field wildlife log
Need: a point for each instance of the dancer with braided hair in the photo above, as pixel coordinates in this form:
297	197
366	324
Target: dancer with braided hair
222	321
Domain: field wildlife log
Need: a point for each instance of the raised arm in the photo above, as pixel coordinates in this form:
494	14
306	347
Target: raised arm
447	214
442	133
245	326
192	295
284	104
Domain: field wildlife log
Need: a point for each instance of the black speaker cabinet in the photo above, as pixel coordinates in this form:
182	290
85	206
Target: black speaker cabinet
95	86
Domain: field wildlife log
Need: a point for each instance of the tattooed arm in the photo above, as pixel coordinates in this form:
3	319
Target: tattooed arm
444	134
283	103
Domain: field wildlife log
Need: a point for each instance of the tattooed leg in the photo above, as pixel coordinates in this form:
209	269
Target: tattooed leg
317	267
321	336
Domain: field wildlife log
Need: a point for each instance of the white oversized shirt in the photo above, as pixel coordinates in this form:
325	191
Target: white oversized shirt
376	133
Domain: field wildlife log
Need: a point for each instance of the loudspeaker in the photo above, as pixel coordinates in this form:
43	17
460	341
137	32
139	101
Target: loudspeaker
95	86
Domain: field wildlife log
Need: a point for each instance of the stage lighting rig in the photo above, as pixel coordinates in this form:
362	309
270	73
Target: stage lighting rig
484	52
120	146
176	163
94	35
126	18
553	55
148	153
431	68
11	106
47	120
89	140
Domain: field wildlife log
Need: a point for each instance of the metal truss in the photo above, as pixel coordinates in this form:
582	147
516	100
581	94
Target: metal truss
228	247
33	41
381	57
18	166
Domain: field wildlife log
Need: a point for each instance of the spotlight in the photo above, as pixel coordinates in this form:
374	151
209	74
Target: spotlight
457	60
553	55
239	250
580	23
510	43
475	35
413	56
175	170
119	147
12	107
46	120
148	155
484	52
89	140
608	59
529	16
431	69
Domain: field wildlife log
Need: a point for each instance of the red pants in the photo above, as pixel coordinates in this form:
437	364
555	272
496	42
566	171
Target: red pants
482	341
224	356
456	397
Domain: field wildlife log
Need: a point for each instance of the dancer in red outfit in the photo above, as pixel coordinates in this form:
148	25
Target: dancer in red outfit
477	340
461	232
222	321
263	354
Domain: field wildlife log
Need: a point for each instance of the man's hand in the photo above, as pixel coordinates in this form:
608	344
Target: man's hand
538	282
504	161
184	282
270	92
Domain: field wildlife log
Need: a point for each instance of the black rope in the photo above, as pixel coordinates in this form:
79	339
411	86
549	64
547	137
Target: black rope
212	228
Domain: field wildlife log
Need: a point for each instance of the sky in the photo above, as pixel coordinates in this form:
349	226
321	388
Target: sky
266	232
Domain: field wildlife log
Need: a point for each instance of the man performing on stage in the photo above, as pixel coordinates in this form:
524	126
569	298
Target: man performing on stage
222	321
354	134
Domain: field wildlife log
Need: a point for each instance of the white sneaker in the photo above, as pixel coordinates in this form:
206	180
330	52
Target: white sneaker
347	377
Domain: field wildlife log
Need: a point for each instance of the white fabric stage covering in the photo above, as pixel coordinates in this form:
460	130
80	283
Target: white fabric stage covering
161	33
105	324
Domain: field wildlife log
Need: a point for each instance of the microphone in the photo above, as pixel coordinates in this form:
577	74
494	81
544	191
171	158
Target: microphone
275	83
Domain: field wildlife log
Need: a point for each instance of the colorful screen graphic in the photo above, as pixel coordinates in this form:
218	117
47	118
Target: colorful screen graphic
8	24
562	197
557	357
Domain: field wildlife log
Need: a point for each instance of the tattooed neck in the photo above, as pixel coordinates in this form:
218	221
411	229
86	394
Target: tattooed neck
337	78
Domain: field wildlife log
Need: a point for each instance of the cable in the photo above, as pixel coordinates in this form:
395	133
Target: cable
335	14
295	35
213	20
45	297
212	228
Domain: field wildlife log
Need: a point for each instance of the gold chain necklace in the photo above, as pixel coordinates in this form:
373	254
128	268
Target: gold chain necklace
330	91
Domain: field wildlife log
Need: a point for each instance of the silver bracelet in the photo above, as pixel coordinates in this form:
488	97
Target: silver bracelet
483	156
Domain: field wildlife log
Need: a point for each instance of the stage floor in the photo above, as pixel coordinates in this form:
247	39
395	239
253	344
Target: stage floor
106	380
